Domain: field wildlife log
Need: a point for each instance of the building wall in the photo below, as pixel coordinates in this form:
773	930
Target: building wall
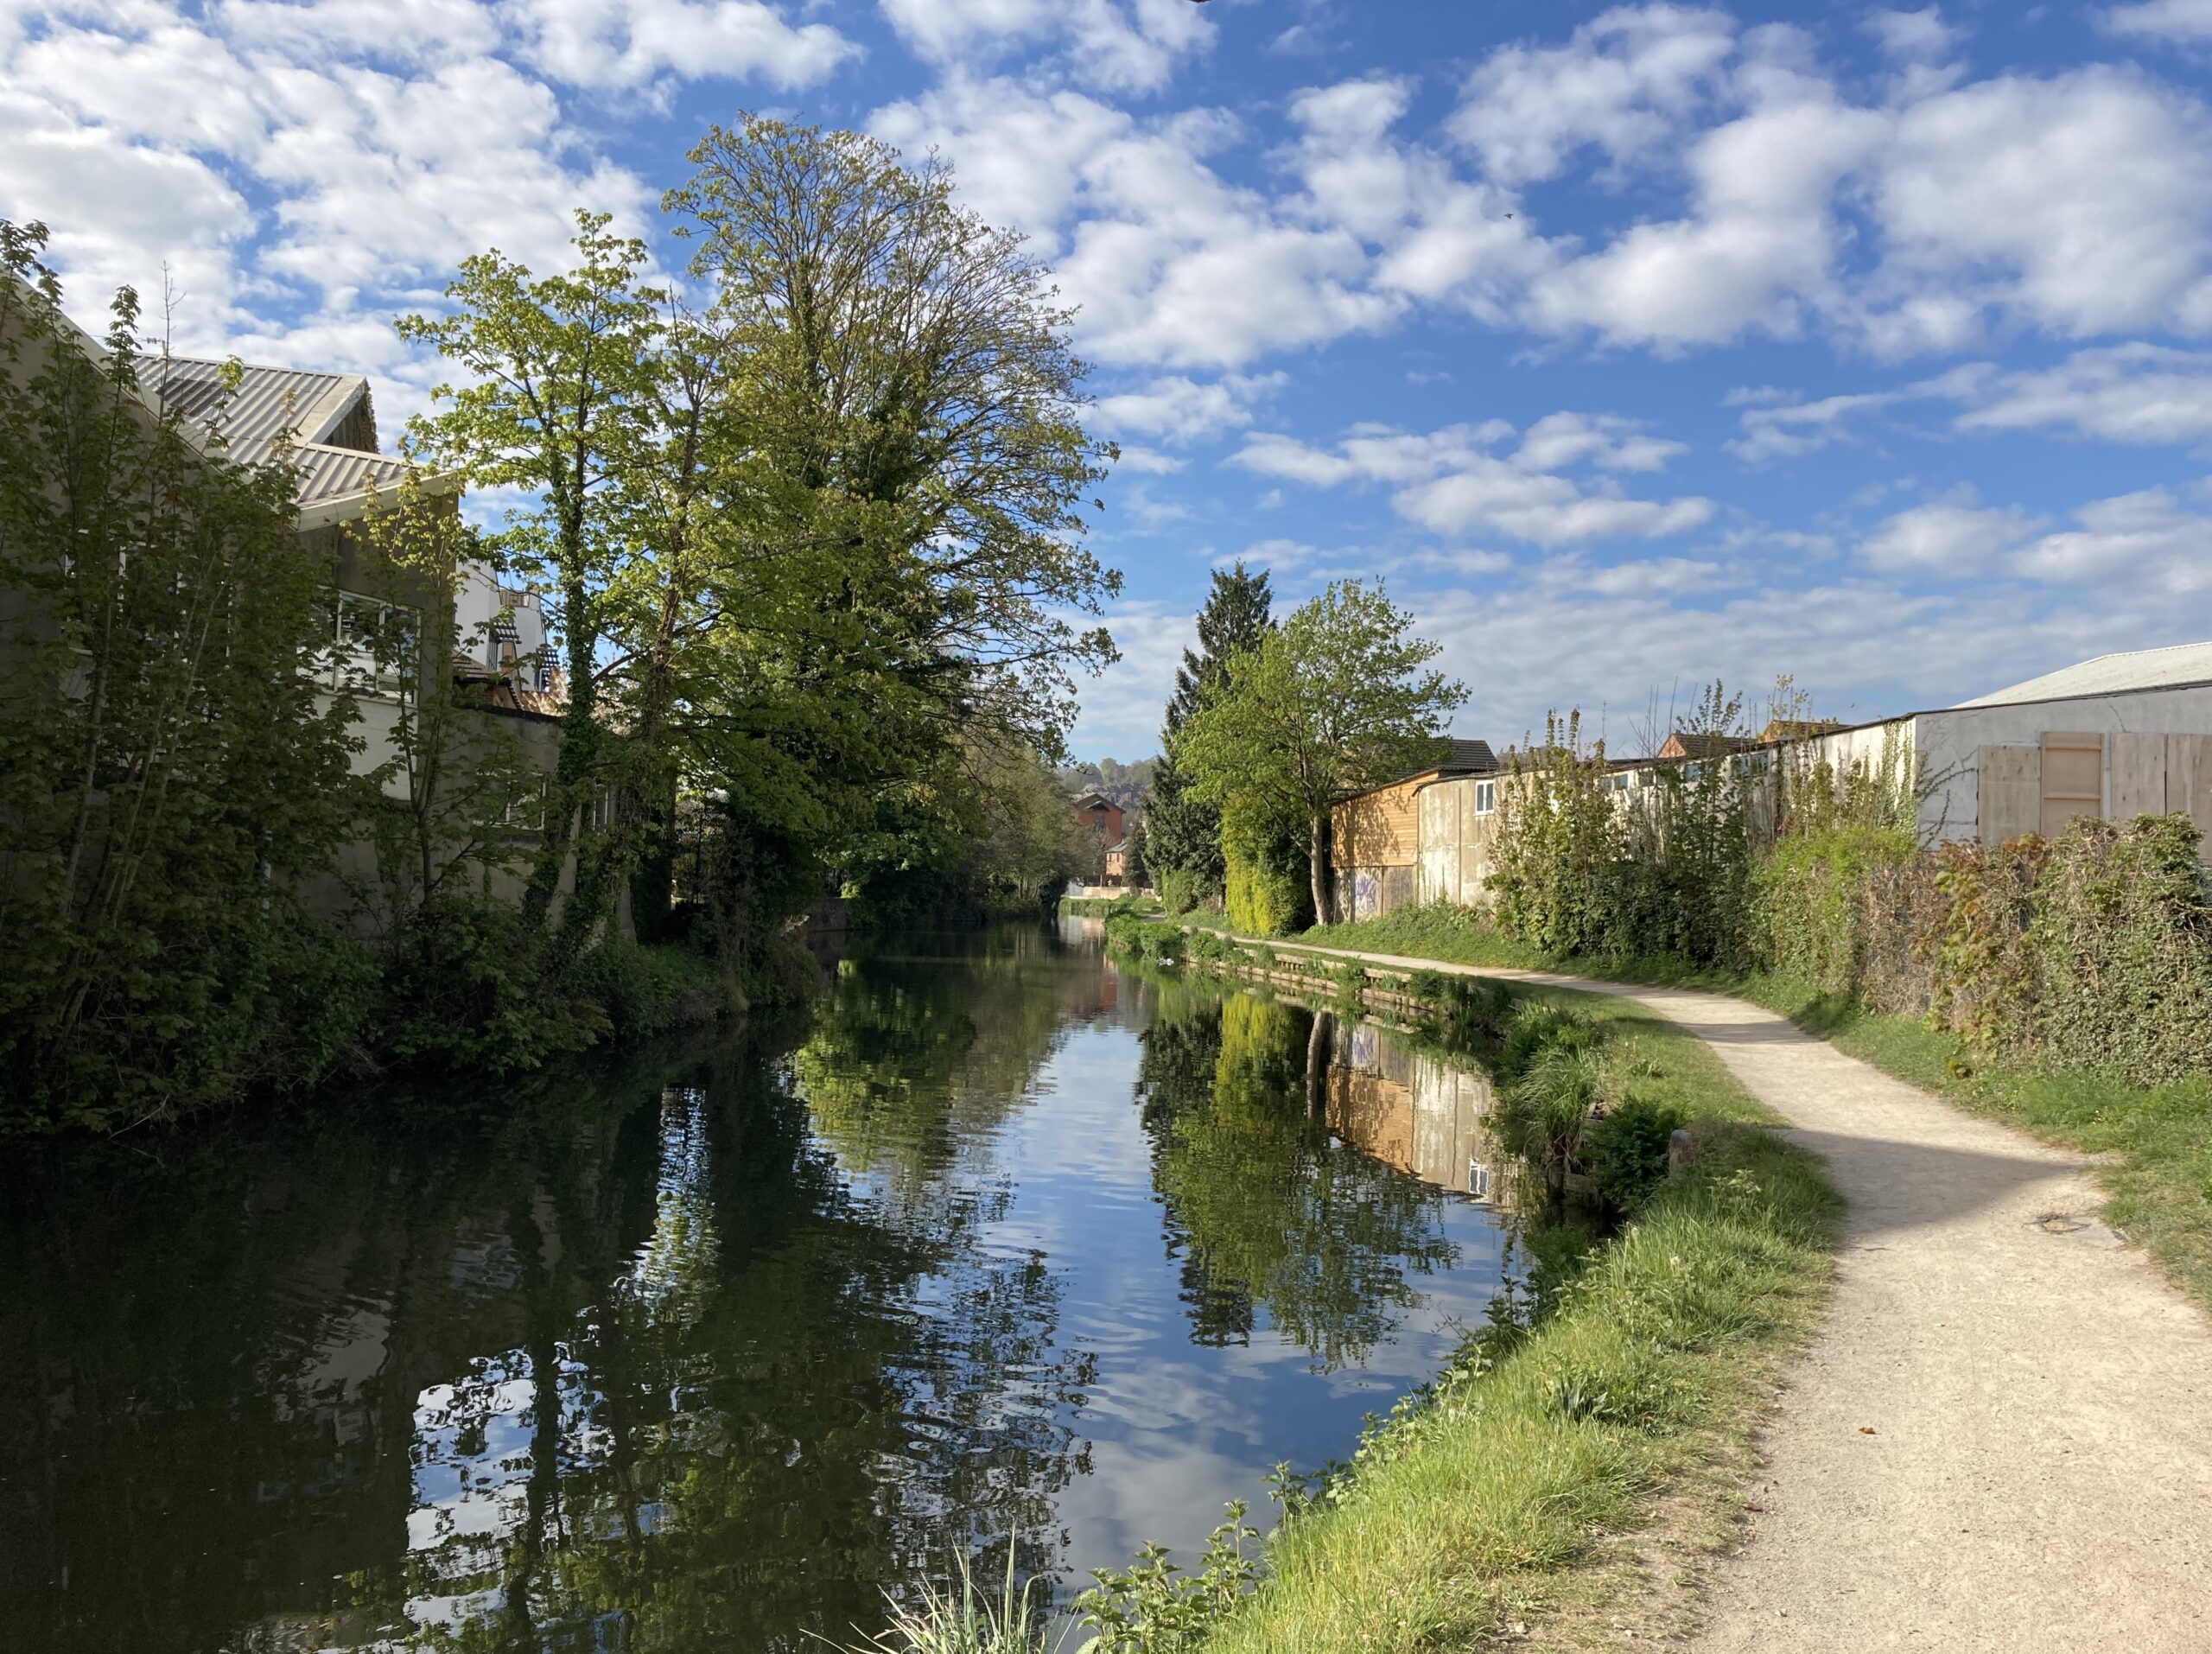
1995	758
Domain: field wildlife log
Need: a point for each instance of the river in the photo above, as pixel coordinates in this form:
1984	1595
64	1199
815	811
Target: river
707	1351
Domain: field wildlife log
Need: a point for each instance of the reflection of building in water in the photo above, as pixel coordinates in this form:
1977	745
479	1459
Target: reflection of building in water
1413	1110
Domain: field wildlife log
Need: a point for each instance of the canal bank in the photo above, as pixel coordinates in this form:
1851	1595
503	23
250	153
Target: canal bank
2001	1437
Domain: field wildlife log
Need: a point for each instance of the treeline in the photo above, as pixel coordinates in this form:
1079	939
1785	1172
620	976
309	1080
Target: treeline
1269	726
808	523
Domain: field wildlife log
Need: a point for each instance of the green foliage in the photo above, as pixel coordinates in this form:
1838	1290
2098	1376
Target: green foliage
945	1621
467	990
2122	930
1267	882
168	773
1628	1148
1153	1608
1185	830
1338	699
1182	890
1584	870
1816	909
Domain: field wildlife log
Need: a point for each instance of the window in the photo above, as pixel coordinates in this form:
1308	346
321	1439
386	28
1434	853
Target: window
368	645
1486	797
1620	781
1478	1179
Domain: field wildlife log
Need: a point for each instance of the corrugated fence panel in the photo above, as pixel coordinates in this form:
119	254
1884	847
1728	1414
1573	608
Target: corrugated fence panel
2011	791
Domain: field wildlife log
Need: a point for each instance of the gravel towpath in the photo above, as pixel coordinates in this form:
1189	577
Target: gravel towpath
2001	1438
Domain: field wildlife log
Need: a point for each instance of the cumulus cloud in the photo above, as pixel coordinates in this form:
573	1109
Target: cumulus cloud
2186	21
1451	481
1168	262
1954	537
1185	409
1624	83
2136	393
2150	537
2082	204
331	163
1758	249
1113	45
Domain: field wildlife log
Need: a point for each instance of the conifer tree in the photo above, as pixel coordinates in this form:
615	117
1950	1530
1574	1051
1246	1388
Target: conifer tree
1183	834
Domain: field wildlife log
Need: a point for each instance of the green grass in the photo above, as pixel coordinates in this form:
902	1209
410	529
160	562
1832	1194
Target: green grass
2158	1140
1512	1490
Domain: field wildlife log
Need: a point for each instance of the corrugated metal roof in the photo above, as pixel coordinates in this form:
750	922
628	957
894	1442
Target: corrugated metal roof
327	472
2139	669
266	402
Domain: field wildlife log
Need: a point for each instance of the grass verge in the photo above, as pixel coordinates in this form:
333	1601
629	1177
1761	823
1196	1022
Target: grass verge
1525	1487
2157	1142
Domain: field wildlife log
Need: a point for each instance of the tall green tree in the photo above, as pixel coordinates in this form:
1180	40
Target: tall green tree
1183	831
1340	698
559	403
910	545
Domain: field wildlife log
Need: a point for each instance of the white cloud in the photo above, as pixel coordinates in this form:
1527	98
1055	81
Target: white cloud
2149	539
1912	36
1168	262
2080	204
1954	536
1758	250
1115	45
629	42
1185	409
1148	461
1449	482
1607	441
1786	430
1623	83
2136	393
2186	21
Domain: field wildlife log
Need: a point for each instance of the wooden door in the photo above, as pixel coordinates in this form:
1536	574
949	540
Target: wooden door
2072	779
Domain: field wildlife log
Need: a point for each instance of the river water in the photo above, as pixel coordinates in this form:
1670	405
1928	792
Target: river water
1000	1246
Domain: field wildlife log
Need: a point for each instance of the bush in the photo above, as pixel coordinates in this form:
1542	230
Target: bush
1181	891
648	990
463	990
1628	1150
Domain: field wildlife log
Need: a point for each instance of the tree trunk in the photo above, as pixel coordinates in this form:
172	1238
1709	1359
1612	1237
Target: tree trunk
1325	905
1318	1041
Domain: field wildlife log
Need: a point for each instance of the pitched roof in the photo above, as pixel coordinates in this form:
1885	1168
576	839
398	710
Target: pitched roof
267	402
1465	758
2137	669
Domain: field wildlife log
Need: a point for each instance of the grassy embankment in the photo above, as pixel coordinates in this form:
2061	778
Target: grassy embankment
1546	1470
2158	1140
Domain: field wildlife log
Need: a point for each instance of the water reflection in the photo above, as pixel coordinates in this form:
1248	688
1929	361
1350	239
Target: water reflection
707	1356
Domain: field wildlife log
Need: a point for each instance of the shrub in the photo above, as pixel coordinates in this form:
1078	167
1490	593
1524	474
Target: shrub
462	989
1182	890
647	990
1628	1148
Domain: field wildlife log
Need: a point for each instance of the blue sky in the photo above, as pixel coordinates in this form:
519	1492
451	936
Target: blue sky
1633	345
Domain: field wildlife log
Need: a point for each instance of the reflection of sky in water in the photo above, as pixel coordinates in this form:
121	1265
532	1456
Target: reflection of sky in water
775	1357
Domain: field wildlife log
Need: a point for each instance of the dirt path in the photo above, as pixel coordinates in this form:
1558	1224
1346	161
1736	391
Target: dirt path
2002	1437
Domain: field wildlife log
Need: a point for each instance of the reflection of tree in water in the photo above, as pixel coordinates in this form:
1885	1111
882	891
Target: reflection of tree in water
785	1406
1267	1210
640	1373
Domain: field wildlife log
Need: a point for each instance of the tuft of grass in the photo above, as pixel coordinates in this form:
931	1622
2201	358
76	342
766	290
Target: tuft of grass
1510	1487
966	1621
